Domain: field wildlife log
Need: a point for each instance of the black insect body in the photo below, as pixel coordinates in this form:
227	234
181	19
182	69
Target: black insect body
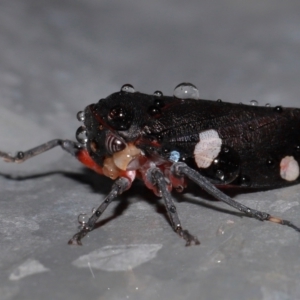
165	140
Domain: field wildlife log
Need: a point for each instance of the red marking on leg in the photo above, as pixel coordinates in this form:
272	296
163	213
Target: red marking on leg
84	157
129	175
179	183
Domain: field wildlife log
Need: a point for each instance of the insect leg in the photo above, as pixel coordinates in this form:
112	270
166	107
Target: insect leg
181	169
159	180
119	186
67	145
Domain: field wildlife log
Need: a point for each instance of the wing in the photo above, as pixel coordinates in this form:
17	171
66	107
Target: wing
260	146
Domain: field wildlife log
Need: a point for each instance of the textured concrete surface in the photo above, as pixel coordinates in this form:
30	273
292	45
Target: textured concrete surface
57	57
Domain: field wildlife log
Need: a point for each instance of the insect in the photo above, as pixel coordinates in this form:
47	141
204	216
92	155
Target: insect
165	141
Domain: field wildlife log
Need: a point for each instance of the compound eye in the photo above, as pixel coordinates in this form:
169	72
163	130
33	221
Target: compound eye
113	144
119	118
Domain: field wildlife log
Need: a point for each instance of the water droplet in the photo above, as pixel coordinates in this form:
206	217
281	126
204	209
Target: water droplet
244	180
219	100
183	159
186	91
158	94
82	219
159	103
253	102
225	167
220	175
81	135
80	116
221	230
278	109
128	88
268	105
217	257
20	155
172	209
159	137
93	210
270	162
153	110
120	117
165	150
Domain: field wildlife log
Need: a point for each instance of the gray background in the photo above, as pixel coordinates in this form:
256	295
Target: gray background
56	57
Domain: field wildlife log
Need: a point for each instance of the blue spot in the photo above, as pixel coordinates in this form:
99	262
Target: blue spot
174	156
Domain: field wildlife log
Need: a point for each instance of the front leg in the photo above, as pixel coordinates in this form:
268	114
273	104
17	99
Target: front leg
67	145
159	180
120	185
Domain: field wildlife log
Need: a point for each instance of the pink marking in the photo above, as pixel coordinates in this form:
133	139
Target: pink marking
289	168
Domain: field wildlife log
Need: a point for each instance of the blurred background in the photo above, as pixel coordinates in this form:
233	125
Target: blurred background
56	57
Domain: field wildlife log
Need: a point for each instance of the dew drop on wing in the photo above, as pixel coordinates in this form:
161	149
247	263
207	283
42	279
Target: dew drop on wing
268	105
278	109
225	168
244	180
270	162
153	110
128	88
220	175
254	103
186	91
158	94
158	102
